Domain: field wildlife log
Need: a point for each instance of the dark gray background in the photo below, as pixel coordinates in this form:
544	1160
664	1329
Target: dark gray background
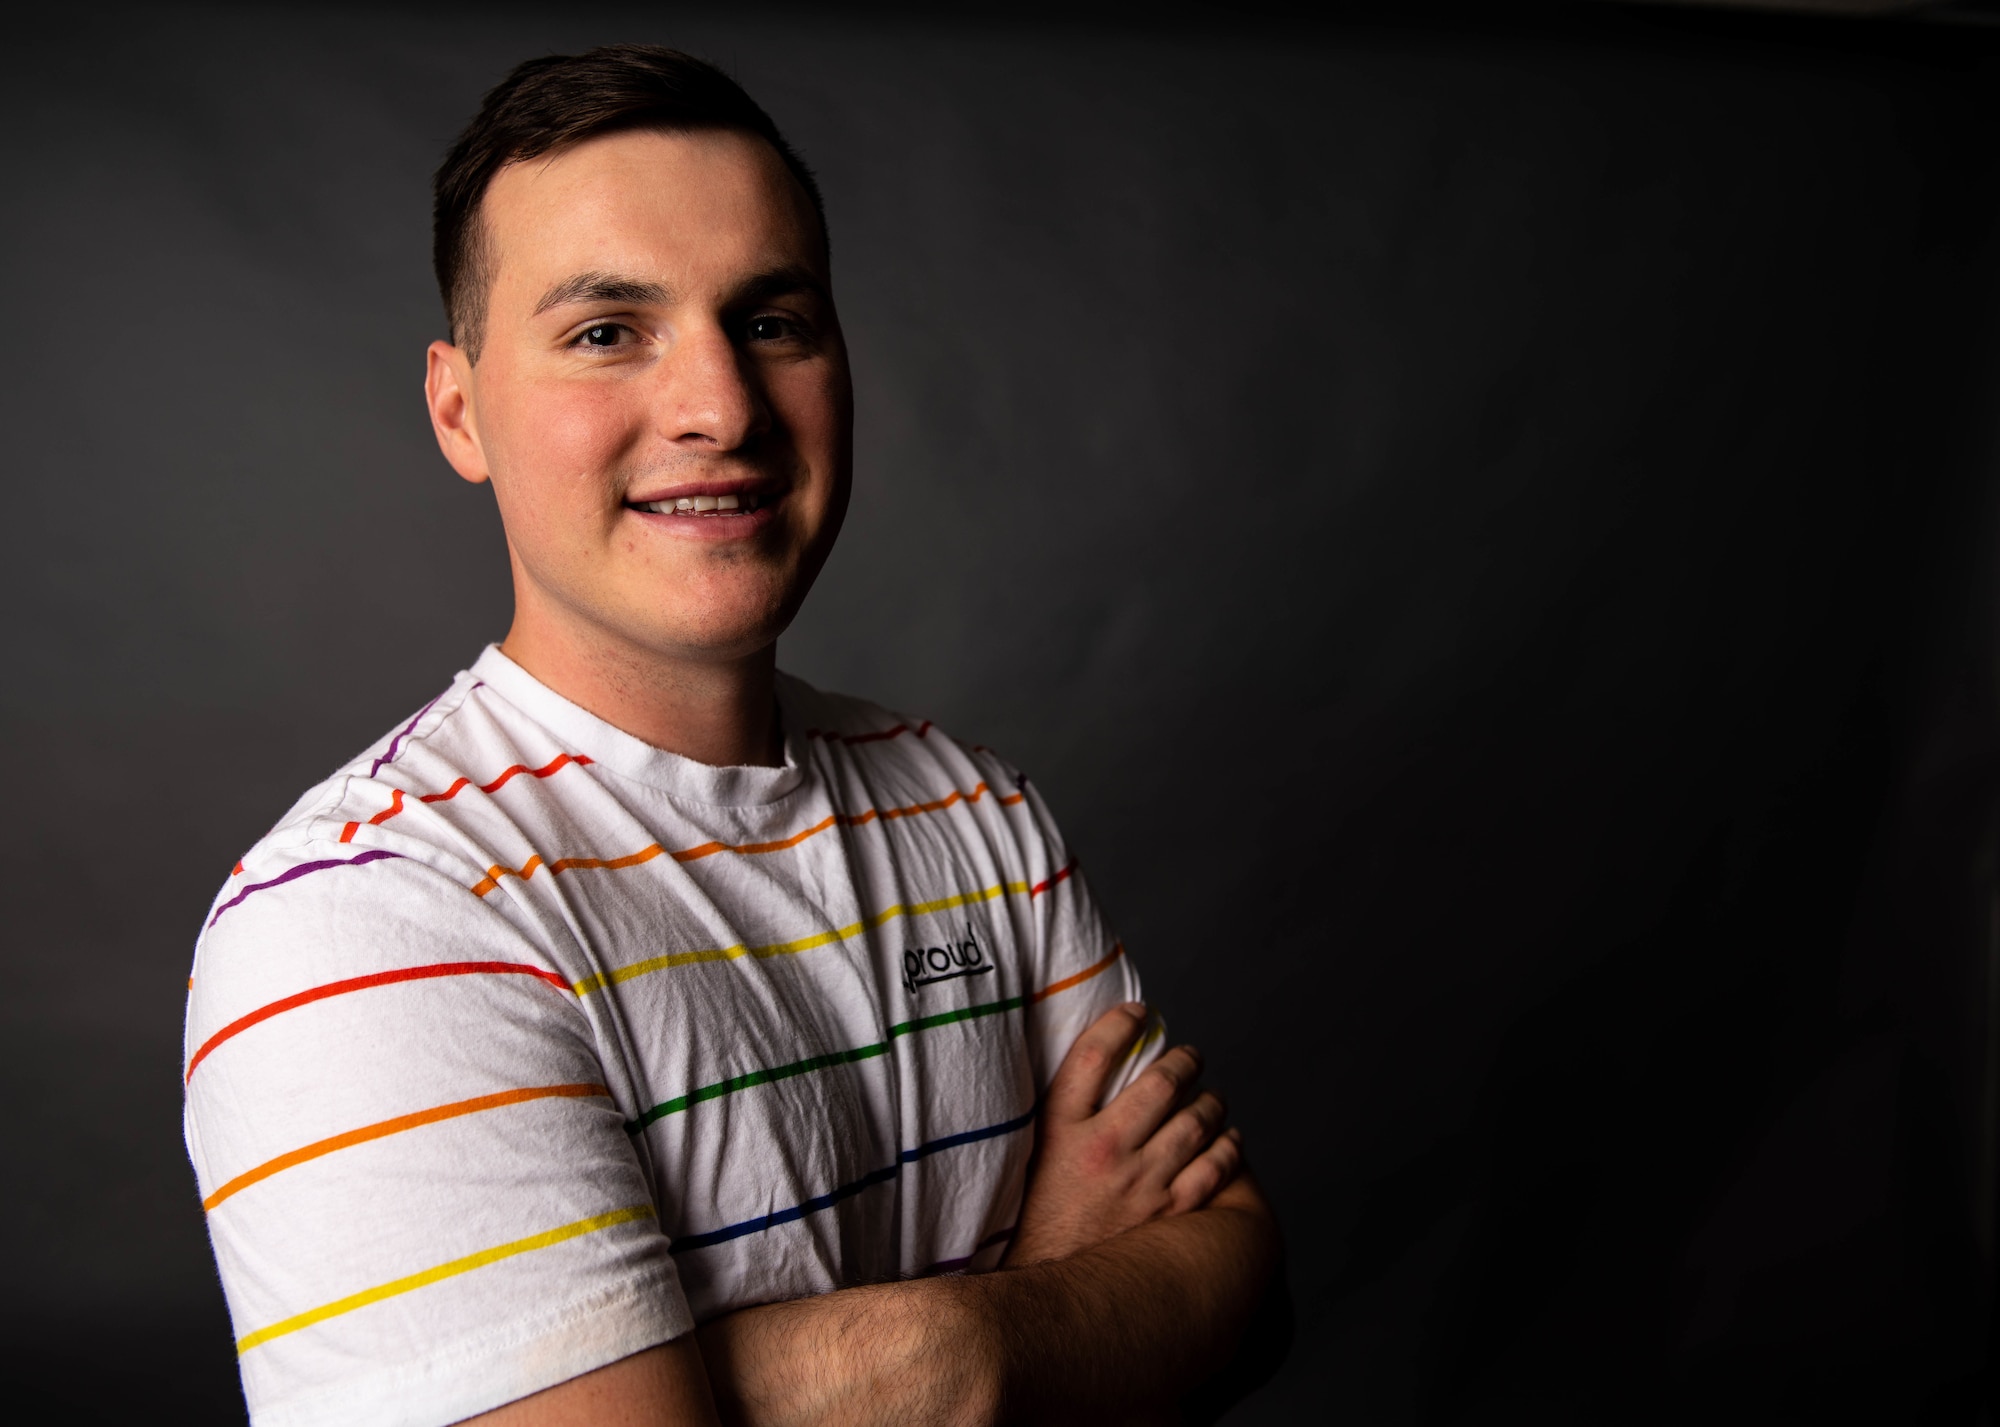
1479	519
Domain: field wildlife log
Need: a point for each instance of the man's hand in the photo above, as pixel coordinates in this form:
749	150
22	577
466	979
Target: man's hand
1099	1314
1141	1255
1120	1332
1152	1152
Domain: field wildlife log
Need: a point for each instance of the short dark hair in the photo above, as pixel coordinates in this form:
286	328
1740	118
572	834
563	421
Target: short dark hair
552	103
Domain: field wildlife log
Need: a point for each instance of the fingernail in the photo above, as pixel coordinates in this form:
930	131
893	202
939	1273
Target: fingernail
1137	1008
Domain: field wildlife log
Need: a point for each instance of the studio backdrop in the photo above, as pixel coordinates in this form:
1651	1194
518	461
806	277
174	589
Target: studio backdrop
1480	521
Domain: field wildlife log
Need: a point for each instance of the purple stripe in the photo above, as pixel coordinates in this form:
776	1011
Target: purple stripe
397	741
373	855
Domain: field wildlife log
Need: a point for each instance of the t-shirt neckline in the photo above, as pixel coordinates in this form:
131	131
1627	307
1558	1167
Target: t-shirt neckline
678	777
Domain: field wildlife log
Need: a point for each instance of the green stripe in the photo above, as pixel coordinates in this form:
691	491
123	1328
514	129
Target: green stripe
819	1062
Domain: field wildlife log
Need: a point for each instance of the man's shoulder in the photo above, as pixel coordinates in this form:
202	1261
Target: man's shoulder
819	714
900	765
843	722
363	878
435	750
435	733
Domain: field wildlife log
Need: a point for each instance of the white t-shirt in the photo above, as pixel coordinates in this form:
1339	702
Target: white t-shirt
520	1045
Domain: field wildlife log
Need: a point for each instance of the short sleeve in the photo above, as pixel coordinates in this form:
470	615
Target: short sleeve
421	1195
1084	969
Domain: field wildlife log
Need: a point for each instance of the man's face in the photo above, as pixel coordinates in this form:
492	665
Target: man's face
661	398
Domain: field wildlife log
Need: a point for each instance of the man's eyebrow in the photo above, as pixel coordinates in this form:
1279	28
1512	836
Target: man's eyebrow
603	287
777	282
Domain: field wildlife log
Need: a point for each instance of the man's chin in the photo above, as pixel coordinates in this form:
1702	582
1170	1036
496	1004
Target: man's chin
725	614
714	640
699	613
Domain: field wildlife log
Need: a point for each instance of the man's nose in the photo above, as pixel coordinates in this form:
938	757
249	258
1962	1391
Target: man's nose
710	400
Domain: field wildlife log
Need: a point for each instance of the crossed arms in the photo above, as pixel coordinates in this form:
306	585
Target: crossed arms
1142	1252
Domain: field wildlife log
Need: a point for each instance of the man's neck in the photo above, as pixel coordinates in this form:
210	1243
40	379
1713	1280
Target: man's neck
720	712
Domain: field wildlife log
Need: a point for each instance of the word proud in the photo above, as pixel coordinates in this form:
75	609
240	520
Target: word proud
927	965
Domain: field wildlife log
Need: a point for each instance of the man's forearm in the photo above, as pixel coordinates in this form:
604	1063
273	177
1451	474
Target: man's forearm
1134	1322
1139	1319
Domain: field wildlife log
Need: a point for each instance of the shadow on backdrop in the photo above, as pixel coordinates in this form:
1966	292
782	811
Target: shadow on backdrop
1481	523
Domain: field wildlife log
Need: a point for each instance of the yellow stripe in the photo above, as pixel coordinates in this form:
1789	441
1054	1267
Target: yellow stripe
789	948
432	1275
1156	1031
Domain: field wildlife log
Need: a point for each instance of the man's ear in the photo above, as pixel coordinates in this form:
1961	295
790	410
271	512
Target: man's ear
448	393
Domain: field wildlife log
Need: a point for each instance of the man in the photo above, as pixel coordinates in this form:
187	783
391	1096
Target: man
638	1035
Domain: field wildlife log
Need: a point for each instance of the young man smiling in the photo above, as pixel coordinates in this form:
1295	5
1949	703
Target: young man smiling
638	1035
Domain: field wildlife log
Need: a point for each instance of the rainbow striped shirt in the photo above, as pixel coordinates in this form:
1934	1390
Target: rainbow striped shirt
520	1045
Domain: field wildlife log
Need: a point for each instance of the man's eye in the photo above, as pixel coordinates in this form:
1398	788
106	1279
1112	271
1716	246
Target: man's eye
604	334
771	329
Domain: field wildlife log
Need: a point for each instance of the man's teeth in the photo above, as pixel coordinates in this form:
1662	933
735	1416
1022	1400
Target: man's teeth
704	505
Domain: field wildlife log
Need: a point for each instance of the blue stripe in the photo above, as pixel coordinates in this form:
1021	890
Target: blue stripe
1005	1127
687	1243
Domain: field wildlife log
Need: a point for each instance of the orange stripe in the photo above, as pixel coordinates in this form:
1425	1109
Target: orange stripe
385	1128
566	864
396	1126
979	791
709	849
1096	968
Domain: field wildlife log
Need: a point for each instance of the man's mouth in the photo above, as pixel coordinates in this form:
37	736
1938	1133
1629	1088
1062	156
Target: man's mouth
703	505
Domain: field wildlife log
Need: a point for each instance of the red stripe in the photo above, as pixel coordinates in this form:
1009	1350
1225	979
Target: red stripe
395	806
581	760
920	731
362	983
1062	876
561	760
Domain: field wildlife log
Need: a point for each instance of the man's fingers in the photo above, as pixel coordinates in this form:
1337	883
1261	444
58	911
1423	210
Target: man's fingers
1207	1173
1144	1105
1186	1135
1080	1080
